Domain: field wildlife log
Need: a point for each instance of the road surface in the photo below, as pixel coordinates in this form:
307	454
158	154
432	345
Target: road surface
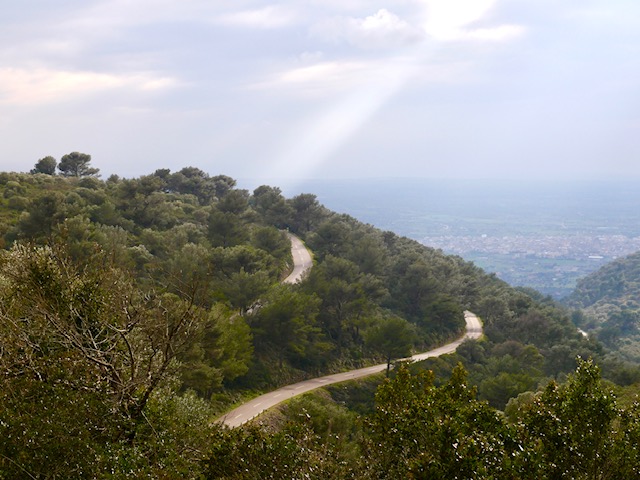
255	407
302	260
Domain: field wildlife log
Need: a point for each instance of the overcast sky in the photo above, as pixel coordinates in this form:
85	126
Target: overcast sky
324	88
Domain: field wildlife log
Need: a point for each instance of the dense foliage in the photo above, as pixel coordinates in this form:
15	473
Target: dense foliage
609	300
133	311
419	430
225	251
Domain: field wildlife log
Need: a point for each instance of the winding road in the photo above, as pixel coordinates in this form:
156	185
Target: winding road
302	261
255	407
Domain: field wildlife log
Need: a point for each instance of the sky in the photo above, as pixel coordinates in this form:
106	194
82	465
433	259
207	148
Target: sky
297	89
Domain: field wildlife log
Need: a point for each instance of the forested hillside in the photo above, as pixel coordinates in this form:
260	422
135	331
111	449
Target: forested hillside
133	311
610	301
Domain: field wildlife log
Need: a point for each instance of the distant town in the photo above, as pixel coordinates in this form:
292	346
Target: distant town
551	263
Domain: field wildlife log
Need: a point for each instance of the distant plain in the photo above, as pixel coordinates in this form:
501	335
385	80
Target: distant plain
543	235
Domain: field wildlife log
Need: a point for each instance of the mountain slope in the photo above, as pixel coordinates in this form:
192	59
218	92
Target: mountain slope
617	283
610	302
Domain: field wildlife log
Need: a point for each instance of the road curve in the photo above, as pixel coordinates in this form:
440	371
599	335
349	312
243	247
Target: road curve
255	407
302	260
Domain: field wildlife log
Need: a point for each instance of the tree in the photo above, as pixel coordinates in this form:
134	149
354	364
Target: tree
369	253
234	202
222	351
253	452
568	429
285	327
415	289
347	296
273	241
226	229
271	206
192	181
242	288
76	164
512	369
393	337
307	212
422	431
44	215
68	328
222	184
241	274
330	238
46	165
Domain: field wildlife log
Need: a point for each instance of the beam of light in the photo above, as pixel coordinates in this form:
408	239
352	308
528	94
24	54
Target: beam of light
317	139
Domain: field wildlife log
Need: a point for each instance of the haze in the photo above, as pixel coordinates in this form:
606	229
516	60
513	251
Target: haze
298	89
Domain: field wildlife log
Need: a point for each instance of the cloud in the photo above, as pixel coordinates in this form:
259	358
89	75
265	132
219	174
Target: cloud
316	80
329	78
503	32
38	86
271	16
339	73
448	20
380	30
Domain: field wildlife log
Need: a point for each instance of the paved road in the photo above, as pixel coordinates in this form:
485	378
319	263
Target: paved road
302	260
255	407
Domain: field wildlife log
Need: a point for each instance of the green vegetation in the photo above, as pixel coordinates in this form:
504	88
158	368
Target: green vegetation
134	311
609	303
46	165
418	429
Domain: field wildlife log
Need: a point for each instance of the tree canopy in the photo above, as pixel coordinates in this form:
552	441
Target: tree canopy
46	165
76	164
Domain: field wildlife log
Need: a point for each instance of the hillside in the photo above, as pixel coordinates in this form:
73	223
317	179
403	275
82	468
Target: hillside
133	311
617	283
610	301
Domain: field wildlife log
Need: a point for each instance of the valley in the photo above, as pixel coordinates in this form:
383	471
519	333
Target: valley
541	234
